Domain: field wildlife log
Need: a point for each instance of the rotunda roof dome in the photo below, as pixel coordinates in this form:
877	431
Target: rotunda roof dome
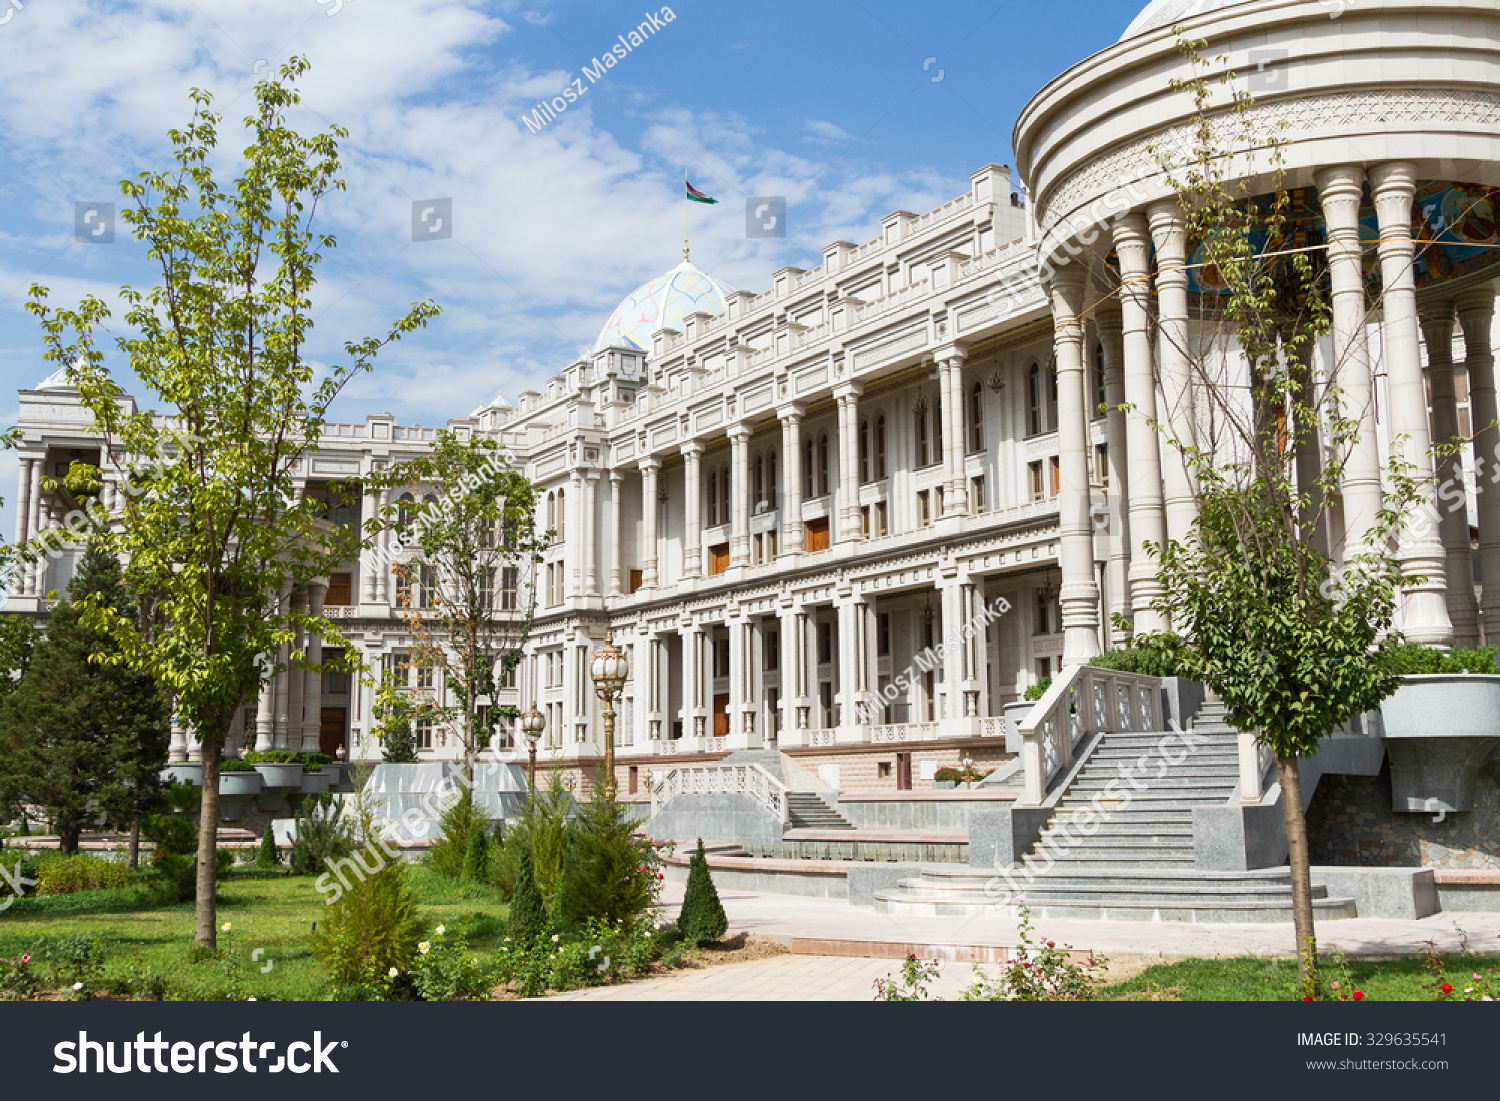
1166	13
662	304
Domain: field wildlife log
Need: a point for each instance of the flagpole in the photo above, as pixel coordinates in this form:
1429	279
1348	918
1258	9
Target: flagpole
685	257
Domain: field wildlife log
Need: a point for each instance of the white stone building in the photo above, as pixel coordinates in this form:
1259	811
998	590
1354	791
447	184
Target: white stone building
778	501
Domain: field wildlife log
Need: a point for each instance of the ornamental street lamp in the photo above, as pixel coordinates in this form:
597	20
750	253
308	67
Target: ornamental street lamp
609	668
532	725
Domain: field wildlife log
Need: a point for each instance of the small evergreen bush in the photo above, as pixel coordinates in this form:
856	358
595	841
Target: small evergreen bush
370	931
322	836
477	859
268	857
528	914
1150	655
610	872
459	823
702	919
1413	659
1038	690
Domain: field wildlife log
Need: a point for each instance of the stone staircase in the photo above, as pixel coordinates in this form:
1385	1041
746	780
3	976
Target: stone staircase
807	811
1138	862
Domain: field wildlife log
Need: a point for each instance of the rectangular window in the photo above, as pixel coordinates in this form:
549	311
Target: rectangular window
938	508
883	635
426	676
721	657
817	534
335	683
772	651
825	643
864	520
882	521
510	586
1055	465
924	508
484	594
508	677
340	590
771	545
885	770
976	494
1043	612
1034	475
422	729
718	558
1101	465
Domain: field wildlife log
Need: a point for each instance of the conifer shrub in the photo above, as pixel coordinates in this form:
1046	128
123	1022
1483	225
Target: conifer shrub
368	940
528	914
477	858
610	872
702	920
268	857
322	836
459	824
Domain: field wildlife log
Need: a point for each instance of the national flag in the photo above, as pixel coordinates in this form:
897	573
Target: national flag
696	196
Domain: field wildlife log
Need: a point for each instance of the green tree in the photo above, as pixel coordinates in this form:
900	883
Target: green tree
393	714
79	736
1292	645
702	918
212	524
18	637
609	872
528	913
267	857
466	585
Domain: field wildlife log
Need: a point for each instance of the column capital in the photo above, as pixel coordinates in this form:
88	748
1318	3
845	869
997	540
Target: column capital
1344	181
1393	180
692	449
1476	301
649	464
1165	215
848	390
1110	318
616	477
948	354
739	432
1067	279
792	412
1133	242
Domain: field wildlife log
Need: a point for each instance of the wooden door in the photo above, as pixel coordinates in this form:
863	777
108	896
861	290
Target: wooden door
817	535
903	772
718	558
721	716
333	725
340	590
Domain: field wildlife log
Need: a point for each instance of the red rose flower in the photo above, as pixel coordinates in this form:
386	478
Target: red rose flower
1308	998
1359	995
1446	988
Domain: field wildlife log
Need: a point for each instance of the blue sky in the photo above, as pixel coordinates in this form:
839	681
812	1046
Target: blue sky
833	103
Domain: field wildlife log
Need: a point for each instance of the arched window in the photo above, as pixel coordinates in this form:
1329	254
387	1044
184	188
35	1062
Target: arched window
760	479
404	513
864	451
807	468
976	418
823	465
923	456
713	498
562	514
1034	401
771	487
880	447
551	512
1052	398
1097	374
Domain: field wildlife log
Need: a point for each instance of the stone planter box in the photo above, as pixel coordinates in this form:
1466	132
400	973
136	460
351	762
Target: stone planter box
314	783
1440	729
1014	713
240	785
945	785
190	772
280	777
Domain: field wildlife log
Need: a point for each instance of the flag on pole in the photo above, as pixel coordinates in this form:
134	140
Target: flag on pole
696	196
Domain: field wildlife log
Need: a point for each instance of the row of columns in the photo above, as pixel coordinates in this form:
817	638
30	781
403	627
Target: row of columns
1155	380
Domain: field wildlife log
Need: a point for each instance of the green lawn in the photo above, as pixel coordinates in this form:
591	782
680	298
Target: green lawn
272	913
1253	979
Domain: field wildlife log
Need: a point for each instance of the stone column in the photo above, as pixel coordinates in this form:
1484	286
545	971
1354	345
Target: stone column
265	716
177	750
588	531
1452	491
1117	573
312	691
1476	313
1080	593
616	537
790	623
385	556
847	662
692	544
1340	192
33	574
848	432
573	535
1146	522
955	443
650	509
794	539
23	502
296	681
369	562
739	502
692	681
1169	232
1424	611
1308	457
950	637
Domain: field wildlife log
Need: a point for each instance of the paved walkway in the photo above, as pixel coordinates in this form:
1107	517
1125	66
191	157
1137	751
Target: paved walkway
854	934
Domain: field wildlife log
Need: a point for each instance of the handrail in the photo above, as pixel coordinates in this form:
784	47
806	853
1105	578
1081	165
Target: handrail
1084	700
723	779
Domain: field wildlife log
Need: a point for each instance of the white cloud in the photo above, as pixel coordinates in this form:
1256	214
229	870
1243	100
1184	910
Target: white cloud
822	132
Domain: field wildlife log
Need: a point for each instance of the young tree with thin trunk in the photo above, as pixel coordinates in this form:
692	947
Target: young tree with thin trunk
1293	641
466	584
210	522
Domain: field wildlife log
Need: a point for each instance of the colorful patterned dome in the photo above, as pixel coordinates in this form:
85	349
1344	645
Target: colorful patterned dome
1167	13
662	304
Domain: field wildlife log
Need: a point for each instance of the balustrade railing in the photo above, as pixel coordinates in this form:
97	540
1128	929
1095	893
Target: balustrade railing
723	779
1084	700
